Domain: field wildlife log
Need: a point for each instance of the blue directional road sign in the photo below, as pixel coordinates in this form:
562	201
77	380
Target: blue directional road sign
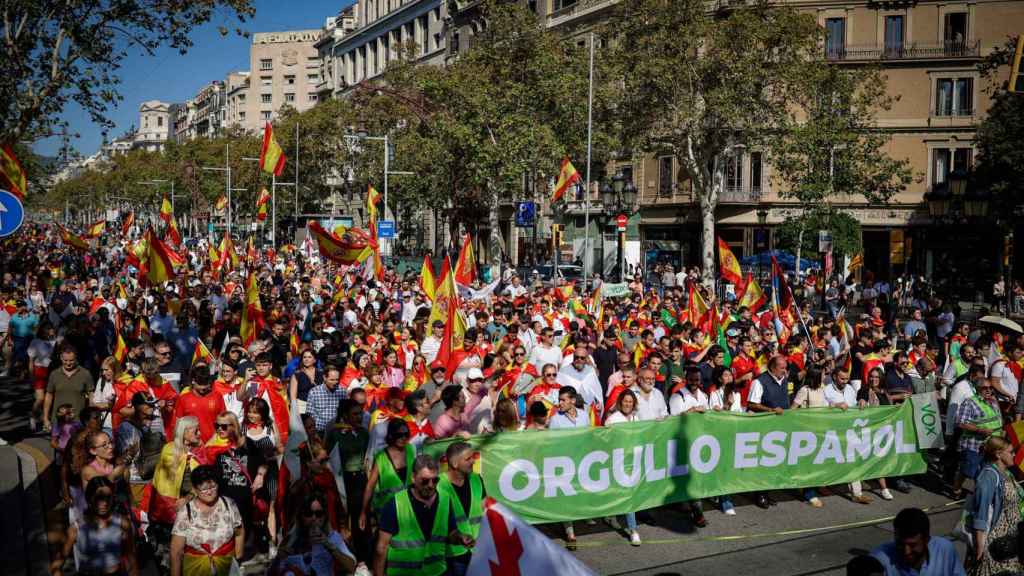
12	213
526	214
386	229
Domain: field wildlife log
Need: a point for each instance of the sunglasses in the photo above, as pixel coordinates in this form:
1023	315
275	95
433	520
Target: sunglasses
221	426
550	375
429	481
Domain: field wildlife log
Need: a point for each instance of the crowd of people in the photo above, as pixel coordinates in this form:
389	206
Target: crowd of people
193	461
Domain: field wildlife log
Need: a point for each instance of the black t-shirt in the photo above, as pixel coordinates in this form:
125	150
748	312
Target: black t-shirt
856	366
424	515
238	466
465	494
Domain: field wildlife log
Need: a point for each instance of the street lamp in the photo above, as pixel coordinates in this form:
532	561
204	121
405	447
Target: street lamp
619	198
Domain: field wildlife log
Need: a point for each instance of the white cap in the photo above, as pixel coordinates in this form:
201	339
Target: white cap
474	374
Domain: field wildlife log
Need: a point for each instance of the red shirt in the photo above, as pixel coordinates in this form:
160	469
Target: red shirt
205	408
742	365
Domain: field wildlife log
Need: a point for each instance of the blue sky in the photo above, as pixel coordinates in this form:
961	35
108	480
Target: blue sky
171	77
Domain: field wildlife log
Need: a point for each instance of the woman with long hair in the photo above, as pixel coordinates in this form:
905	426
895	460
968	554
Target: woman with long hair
355	371
312	546
993	514
873	394
243	469
625	411
506	416
392	469
208	534
725	395
305	378
393	374
259	428
172	480
102	541
100	459
105	393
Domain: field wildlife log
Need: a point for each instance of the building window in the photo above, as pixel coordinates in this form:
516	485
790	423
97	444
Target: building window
266	98
954	97
266	114
266	80
437	14
312	97
835	38
241	98
955	34
290	79
734	171
313	78
266	64
755	172
947	160
289	97
893	36
241	116
665	176
559	4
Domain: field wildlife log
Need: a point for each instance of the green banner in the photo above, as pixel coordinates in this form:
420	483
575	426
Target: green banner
614	290
548	476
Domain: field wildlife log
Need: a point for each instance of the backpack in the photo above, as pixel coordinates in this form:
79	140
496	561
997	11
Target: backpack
151	443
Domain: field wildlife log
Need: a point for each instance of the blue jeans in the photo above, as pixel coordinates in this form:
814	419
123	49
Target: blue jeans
629	519
725	502
810	493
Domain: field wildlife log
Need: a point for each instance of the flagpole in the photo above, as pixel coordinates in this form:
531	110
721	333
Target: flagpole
273	210
587	253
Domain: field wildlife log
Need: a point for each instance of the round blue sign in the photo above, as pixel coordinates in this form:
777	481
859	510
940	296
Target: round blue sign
12	213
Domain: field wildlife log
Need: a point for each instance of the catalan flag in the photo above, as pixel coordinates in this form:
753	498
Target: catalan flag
350	248
72	240
465	267
201	354
427	278
728	266
567	176
262	203
12	175
96	229
271	155
252	313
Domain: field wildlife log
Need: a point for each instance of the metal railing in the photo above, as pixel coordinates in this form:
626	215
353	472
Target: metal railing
859	52
953	112
740	195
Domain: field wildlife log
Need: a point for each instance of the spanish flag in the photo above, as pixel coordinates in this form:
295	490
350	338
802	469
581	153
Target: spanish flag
201	354
465	267
128	221
350	248
167	215
271	155
372	199
261	205
96	229
752	297
567	176
427	278
72	240
294	344
697	308
856	262
221	204
444	293
728	266
159	262
228	256
375	268
252	313
121	349
12	175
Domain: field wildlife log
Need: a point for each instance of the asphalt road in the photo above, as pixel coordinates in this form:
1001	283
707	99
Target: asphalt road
791	539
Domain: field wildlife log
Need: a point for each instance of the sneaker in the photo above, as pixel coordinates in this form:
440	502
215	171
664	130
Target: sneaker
570	533
816	502
861	499
730	511
886	495
634	538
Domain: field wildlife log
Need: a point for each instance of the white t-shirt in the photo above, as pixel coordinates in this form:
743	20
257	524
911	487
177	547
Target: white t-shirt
318	561
848	395
542	355
41	352
430	347
717	401
104	393
618	418
684	401
1006	378
962	390
585	383
651	406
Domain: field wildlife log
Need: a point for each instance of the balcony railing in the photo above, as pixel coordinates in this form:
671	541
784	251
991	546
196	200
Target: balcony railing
951	49
740	195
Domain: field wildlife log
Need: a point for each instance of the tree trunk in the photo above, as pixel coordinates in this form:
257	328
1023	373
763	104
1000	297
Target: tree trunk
799	247
494	242
707	241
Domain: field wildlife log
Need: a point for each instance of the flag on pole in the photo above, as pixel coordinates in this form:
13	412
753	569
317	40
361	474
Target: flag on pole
221	204
567	176
159	263
427	280
856	262
128	221
465	266
166	210
12	175
374	265
350	248
262	203
752	297
697	308
372	199
252	313
506	545
452	352
72	240
120	349
271	155
96	229
201	354
728	266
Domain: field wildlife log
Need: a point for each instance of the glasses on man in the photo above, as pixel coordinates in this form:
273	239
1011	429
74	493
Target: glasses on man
428	481
550	374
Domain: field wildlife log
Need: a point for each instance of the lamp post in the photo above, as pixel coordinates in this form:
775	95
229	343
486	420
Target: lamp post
762	221
619	198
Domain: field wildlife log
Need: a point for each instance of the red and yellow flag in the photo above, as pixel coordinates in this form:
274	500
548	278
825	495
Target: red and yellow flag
294	344
228	256
465	267
96	229
12	175
427	280
262	203
252	313
221	204
159	260
271	155
128	221
372	199
752	297
72	240
201	354
444	293
567	176
377	271
121	349
166	210
350	248
728	266
697	308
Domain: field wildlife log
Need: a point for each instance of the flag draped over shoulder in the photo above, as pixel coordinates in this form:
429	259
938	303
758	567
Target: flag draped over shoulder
12	175
271	155
567	176
350	248
465	267
252	313
72	240
728	266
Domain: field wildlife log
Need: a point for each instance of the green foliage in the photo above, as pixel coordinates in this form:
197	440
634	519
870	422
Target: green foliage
58	52
1000	163
846	233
